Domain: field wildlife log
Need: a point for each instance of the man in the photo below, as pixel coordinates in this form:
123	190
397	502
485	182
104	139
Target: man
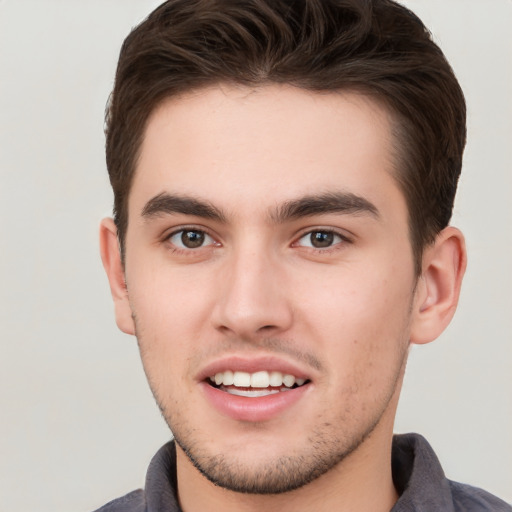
284	175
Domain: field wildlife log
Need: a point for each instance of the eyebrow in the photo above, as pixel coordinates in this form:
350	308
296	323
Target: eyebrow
307	206
165	204
330	202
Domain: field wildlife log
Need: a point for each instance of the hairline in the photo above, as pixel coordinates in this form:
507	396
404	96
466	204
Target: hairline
397	151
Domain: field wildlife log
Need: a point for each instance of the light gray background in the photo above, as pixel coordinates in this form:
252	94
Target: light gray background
78	423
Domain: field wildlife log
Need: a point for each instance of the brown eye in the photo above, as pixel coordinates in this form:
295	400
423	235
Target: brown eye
320	239
190	239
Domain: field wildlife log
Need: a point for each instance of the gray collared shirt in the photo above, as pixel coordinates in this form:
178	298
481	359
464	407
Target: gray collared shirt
417	475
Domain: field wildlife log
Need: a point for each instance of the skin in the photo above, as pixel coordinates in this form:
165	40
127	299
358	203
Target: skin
344	314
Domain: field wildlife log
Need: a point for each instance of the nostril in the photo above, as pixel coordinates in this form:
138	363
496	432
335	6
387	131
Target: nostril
267	327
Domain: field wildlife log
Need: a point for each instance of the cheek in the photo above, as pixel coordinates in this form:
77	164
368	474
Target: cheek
172	297
359	320
359	300
170	313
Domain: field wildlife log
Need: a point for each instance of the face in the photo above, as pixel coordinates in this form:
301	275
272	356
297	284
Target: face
270	277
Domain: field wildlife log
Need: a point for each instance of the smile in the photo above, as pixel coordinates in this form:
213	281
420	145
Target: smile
257	384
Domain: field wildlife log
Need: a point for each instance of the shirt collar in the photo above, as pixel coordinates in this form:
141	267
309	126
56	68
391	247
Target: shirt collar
417	475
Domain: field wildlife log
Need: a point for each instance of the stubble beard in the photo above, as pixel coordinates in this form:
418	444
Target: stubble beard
276	476
330	443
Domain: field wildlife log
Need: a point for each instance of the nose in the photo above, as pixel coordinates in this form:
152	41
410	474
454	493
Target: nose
253	300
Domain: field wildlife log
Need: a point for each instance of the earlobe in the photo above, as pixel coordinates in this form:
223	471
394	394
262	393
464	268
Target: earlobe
438	289
111	258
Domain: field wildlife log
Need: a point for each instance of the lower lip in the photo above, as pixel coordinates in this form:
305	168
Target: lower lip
255	409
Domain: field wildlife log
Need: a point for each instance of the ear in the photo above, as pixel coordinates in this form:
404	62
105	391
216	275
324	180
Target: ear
438	288
111	258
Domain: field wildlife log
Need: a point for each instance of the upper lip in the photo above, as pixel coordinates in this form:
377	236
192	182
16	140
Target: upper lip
252	365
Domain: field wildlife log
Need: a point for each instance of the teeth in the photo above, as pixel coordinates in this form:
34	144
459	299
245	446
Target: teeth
288	380
228	379
276	379
240	379
251	392
261	379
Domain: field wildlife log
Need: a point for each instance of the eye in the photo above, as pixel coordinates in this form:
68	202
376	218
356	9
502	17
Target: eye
320	239
190	239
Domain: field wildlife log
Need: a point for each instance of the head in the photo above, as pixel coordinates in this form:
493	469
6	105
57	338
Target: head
283	173
377	48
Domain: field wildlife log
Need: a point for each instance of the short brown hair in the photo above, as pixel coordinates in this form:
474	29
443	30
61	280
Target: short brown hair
376	47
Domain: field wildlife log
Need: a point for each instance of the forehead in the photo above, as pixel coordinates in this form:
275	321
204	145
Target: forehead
247	147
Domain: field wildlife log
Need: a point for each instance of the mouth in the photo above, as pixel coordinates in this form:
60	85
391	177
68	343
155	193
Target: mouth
255	385
256	389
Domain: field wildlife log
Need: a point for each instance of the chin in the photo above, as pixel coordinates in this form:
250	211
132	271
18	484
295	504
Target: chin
264	467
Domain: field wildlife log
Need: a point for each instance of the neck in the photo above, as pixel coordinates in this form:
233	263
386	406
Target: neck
362	482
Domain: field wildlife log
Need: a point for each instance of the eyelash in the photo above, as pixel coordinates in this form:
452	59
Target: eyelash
343	239
188	250
335	246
